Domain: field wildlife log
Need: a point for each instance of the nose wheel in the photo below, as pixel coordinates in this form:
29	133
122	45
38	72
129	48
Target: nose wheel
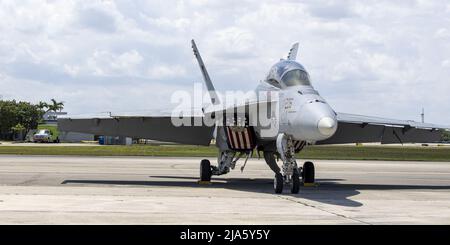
278	183
294	181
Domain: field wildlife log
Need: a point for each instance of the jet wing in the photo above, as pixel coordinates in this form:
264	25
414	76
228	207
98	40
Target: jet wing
153	128
365	129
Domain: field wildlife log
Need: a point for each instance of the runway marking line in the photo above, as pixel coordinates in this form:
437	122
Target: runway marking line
324	210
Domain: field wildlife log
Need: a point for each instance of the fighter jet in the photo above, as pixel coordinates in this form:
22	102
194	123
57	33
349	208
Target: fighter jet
296	116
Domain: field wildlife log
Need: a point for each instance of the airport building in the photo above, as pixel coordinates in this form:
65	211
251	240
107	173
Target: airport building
51	118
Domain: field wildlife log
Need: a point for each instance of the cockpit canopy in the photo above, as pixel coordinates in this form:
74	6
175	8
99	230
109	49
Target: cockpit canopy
288	73
295	77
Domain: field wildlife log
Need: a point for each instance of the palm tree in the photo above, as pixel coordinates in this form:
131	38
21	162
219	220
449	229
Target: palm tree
42	105
55	106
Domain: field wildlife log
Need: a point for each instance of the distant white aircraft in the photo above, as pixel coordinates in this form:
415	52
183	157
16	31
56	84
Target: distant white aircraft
297	116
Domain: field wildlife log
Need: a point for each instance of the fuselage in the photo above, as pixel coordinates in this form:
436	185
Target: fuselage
303	113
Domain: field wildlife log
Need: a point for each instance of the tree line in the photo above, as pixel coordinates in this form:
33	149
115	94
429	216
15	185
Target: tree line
19	117
446	136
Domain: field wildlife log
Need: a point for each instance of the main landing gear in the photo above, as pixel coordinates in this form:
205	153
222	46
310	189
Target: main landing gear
227	160
205	170
290	173
308	173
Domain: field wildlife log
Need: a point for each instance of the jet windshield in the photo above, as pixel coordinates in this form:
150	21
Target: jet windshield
296	77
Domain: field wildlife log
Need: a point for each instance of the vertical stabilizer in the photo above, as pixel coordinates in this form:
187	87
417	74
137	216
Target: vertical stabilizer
293	52
206	78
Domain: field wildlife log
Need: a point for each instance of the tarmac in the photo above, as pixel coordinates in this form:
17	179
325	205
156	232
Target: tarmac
151	190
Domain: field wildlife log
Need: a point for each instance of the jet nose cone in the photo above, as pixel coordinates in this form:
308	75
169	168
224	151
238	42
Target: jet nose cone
327	126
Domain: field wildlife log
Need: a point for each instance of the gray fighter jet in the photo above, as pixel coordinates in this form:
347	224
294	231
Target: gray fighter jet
295	116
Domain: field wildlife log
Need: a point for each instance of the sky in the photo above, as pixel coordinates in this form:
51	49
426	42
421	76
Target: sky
379	58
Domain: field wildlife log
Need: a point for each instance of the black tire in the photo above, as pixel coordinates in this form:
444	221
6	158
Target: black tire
295	185
278	182
205	170
308	172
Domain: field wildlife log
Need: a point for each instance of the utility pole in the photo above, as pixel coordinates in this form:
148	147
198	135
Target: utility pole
423	115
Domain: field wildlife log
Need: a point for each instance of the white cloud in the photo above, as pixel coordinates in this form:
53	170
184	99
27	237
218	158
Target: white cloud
374	57
164	71
71	70
442	33
446	63
104	63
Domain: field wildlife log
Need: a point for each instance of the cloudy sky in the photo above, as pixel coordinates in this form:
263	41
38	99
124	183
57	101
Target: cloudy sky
383	58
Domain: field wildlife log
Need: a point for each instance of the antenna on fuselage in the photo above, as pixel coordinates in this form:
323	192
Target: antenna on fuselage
293	52
206	78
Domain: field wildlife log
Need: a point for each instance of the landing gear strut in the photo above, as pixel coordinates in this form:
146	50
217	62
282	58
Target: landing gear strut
290	171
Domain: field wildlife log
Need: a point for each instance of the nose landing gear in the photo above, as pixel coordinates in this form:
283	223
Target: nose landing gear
286	149
291	173
294	181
